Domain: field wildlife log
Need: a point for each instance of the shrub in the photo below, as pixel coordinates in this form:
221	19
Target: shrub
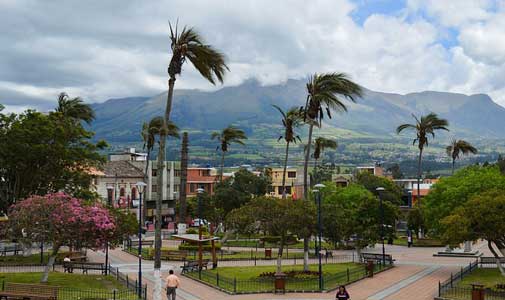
193	247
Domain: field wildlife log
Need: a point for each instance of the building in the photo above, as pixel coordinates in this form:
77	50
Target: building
342	180
201	177
129	155
294	182
376	170
409	187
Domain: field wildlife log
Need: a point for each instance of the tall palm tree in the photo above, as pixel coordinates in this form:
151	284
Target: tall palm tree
290	121
458	147
226	137
187	45
423	127
74	108
149	132
320	144
324	91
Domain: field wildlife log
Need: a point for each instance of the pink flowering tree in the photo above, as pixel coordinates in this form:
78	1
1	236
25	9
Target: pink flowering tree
63	221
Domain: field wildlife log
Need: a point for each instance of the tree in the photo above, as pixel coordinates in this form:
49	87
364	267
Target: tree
458	147
415	220
423	127
322	173
186	45
281	218
291	120
250	183
320	144
45	153
74	108
479	218
184	177
323	91
62	221
391	193
226	137
395	170
452	192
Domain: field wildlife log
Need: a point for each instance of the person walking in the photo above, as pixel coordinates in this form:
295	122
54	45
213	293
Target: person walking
173	283
409	240
342	294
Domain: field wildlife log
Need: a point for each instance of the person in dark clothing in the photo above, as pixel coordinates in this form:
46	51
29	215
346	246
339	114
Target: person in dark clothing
342	294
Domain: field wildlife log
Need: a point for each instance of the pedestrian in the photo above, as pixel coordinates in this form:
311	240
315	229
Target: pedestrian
342	294
67	264
172	284
409	241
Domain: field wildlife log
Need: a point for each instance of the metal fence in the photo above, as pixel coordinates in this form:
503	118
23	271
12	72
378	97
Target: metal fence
292	284
449	289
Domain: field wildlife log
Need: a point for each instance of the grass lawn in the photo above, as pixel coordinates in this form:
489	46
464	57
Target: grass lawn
488	277
33	259
78	281
402	241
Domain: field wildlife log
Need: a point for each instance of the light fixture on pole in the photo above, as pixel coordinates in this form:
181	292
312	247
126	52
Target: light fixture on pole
317	192
140	187
200	191
379	192
109	203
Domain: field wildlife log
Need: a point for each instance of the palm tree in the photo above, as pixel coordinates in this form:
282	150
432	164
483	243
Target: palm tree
226	137
149	132
323	91
320	144
290	120
74	108
424	127
458	147
186	45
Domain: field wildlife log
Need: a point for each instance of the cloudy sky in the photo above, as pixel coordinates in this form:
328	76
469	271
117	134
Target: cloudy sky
107	49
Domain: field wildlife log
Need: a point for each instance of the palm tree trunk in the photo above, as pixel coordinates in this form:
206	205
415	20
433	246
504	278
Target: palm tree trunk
419	174
222	167
146	178
284	172
305	197
453	163
184	178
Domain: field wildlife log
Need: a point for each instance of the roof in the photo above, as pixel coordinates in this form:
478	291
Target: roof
193	238
122	168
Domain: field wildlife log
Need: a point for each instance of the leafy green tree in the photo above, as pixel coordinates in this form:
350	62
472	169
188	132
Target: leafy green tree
458	147
322	173
281	218
396	172
250	183
415	220
291	120
74	108
423	127
391	193
452	192
481	217
321	143
226	137
186	45
323	92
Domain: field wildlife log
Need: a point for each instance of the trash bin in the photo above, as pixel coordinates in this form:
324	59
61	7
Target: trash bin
268	253
280	283
478	292
370	267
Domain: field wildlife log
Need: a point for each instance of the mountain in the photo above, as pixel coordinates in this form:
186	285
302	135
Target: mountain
249	105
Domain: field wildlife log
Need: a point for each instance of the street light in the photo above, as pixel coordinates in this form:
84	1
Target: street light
109	202
379	191
320	229
200	191
140	187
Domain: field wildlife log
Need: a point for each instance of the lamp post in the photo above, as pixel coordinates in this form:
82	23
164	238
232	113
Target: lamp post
200	191
140	187
317	192
379	191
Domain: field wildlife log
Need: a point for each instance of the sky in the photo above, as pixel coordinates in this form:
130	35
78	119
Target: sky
99	49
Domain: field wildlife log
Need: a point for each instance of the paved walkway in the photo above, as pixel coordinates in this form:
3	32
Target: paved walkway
415	277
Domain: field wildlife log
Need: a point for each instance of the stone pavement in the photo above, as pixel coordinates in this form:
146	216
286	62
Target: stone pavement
415	277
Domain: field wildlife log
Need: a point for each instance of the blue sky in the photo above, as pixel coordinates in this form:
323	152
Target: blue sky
109	49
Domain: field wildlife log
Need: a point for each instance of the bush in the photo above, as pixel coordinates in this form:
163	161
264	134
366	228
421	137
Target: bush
193	247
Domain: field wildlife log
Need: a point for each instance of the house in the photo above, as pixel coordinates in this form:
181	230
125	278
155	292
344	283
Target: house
376	170
129	155
342	180
201	177
409	187
293	185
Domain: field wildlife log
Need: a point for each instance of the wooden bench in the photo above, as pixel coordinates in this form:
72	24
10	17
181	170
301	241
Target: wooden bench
174	255
84	266
193	265
28	291
376	258
135	244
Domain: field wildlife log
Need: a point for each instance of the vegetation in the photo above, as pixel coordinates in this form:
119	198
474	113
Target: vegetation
458	147
78	281
226	137
489	277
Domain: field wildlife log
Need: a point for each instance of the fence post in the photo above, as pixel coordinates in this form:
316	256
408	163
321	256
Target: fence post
114	294
217	279
439	288
251	253
255	260
117	273
348	277
3	285
235	285
353	256
461	274
145	293
127	281
451	279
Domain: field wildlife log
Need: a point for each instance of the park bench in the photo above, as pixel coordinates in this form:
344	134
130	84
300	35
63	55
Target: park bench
84	266
74	257
28	291
135	244
376	258
192	265
174	255
500	287
490	260
15	249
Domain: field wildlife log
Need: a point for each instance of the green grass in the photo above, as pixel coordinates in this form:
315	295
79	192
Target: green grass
488	277
78	281
253	243
402	241
33	259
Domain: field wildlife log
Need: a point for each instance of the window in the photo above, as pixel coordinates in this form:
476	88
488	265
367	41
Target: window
134	193
288	190
121	192
109	196
292	174
192	187
154	172
177	188
205	172
154	188
177	173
